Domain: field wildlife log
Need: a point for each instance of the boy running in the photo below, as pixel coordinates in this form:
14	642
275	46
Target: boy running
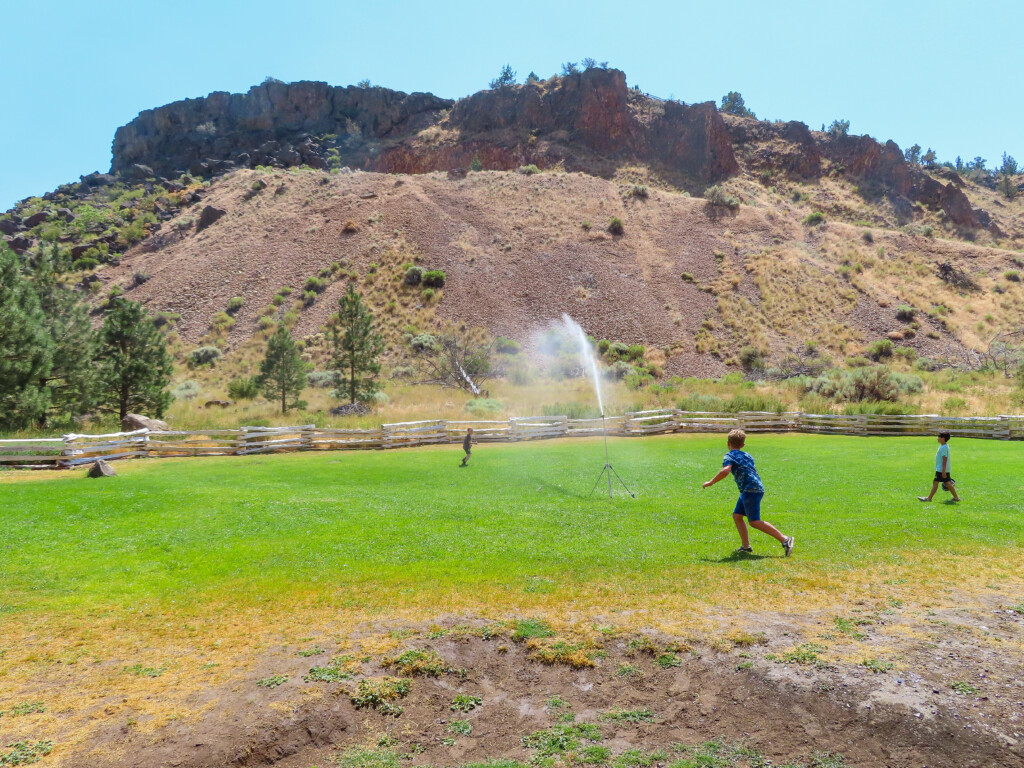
741	465
467	443
943	467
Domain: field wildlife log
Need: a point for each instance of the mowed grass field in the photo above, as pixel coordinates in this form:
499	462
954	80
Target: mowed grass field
409	531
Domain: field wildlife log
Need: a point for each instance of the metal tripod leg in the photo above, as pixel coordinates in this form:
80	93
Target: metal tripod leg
610	467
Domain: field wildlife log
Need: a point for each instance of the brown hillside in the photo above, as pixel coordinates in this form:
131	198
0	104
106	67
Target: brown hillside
518	252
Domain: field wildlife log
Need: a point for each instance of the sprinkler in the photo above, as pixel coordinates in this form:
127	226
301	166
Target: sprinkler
608	468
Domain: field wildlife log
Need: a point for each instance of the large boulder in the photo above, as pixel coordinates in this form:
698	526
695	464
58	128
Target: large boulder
134	421
101	469
210	215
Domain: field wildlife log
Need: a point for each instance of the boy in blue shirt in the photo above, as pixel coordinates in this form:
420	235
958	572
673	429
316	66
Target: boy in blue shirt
943	467
741	466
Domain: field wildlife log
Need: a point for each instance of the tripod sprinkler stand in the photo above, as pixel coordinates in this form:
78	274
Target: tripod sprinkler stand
608	467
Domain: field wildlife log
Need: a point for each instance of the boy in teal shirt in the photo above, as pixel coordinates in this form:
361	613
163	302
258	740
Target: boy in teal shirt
943	469
741	465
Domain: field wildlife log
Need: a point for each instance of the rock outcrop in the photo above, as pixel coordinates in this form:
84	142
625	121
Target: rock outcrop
134	421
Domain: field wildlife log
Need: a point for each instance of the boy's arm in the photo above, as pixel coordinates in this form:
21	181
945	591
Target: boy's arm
945	463
722	474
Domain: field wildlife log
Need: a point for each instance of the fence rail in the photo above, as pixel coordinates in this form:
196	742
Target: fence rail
76	450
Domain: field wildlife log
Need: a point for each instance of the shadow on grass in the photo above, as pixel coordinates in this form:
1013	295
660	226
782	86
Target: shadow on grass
736	557
544	485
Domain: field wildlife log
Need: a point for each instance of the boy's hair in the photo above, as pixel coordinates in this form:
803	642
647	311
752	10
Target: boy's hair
944	436
737	438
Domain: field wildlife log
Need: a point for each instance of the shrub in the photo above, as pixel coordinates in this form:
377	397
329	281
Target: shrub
620	369
716	196
423	342
315	284
186	390
243	388
428	294
866	384
905	312
308	297
878	350
349	227
205	355
1012	275
879	407
615	226
321	379
754	402
856	361
954	406
413	276
506	346
814	218
235	304
751	359
640	191
222	321
701	403
83	264
141	277
434	278
528	170
476	164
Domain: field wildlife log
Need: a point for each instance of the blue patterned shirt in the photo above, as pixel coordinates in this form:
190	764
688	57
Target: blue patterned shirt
743	471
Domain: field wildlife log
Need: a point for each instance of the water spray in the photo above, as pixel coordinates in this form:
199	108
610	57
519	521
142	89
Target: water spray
590	364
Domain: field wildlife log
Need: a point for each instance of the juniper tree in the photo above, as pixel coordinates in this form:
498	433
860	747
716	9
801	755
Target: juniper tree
733	104
134	367
282	372
26	351
355	347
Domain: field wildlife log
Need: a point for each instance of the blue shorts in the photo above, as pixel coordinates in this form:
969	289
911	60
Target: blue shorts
749	505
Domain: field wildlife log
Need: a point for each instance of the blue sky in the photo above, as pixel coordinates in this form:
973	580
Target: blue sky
943	74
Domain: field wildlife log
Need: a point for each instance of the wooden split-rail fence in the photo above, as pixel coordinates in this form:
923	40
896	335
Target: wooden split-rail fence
76	450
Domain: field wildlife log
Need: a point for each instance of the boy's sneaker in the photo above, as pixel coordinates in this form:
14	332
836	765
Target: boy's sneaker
787	544
923	498
743	551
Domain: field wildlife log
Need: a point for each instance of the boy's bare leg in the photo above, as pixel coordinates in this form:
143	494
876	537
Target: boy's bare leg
935	487
768	528
952	489
741	526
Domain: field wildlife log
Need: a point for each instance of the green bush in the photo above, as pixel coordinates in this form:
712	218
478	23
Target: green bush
528	170
186	390
434	278
883	408
716	196
321	379
814	218
701	403
751	359
754	402
1012	275
866	384
905	312
243	388
205	355
83	264
615	226
423	342
428	294
308	297
235	304
314	285
879	350
954	406
506	346
640	191
413	276
620	369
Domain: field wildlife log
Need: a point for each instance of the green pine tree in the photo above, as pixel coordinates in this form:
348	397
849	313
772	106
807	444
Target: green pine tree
26	350
282	373
356	345
134	367
72	379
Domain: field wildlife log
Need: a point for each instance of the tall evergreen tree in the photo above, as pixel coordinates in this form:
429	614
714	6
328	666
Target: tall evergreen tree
72	379
133	364
26	351
356	345
282	372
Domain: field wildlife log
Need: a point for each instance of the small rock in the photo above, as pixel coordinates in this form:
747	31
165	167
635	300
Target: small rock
101	469
134	421
209	216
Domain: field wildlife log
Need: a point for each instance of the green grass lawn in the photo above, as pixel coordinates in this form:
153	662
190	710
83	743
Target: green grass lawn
374	526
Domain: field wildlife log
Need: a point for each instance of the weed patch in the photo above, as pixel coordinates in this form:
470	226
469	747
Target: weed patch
273	681
575	655
805	653
140	671
381	693
339	668
878	666
460	727
26	752
629	716
560	739
527	629
28	708
418	662
963	687
464	703
366	758
668	660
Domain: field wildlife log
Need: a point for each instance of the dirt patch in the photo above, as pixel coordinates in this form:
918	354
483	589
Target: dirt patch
880	687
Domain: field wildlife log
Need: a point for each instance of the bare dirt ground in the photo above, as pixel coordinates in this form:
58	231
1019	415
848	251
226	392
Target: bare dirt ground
882	685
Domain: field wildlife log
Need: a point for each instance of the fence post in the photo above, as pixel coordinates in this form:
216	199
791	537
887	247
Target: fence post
243	435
